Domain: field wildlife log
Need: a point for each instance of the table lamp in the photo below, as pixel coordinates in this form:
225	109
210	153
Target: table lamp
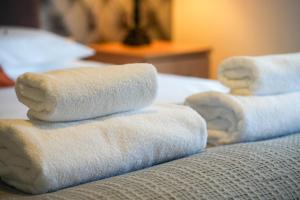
136	36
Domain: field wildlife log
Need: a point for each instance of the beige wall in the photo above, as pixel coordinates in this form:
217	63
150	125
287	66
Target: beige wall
238	27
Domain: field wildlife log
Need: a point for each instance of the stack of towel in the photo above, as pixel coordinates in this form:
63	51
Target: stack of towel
272	110
91	123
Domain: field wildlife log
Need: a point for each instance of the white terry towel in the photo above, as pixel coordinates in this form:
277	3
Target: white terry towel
82	93
232	119
38	157
261	75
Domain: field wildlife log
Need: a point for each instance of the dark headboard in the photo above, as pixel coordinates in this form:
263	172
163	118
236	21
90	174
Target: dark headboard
20	12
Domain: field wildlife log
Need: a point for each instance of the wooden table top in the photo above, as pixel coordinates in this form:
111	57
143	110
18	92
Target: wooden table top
156	48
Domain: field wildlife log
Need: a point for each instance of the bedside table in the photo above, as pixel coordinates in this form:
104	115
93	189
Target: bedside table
167	57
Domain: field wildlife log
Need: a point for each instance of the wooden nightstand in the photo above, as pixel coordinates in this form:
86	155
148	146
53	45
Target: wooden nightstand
167	57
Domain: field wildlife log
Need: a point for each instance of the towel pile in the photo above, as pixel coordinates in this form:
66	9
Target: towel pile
269	107
92	123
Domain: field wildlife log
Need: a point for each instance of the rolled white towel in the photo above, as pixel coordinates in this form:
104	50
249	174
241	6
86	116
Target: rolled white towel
232	119
38	157
82	93
261	75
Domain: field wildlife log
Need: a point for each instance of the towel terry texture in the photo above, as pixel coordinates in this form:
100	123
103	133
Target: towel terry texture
83	93
38	157
262	75
232	119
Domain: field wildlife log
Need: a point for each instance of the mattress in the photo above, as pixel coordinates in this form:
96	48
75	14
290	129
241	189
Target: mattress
260	170
172	89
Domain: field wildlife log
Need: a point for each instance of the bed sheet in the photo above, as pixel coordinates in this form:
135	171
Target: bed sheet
172	89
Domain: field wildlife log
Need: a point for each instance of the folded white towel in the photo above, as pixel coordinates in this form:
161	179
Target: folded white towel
233	119
82	93
38	157
261	75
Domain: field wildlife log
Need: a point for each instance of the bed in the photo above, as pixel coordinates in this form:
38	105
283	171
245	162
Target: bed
264	170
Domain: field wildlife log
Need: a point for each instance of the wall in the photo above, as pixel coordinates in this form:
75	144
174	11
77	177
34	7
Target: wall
238	27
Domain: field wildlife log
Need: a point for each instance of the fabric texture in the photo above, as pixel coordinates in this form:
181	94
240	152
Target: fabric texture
32	48
37	157
82	93
175	88
259	170
232	119
262	75
11	108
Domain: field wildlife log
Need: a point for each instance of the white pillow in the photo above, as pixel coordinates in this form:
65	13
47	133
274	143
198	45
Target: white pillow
29	48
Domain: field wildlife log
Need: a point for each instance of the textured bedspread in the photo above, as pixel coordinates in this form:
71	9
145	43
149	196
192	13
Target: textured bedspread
261	170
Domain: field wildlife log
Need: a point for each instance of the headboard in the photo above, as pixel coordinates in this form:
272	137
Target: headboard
20	12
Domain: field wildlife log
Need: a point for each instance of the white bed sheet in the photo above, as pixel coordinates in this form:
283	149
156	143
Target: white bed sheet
172	89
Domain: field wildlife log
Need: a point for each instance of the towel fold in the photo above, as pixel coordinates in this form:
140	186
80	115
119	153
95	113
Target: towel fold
82	93
261	75
232	119
38	157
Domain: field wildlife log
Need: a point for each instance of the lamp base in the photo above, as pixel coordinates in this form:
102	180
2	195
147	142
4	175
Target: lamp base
137	37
